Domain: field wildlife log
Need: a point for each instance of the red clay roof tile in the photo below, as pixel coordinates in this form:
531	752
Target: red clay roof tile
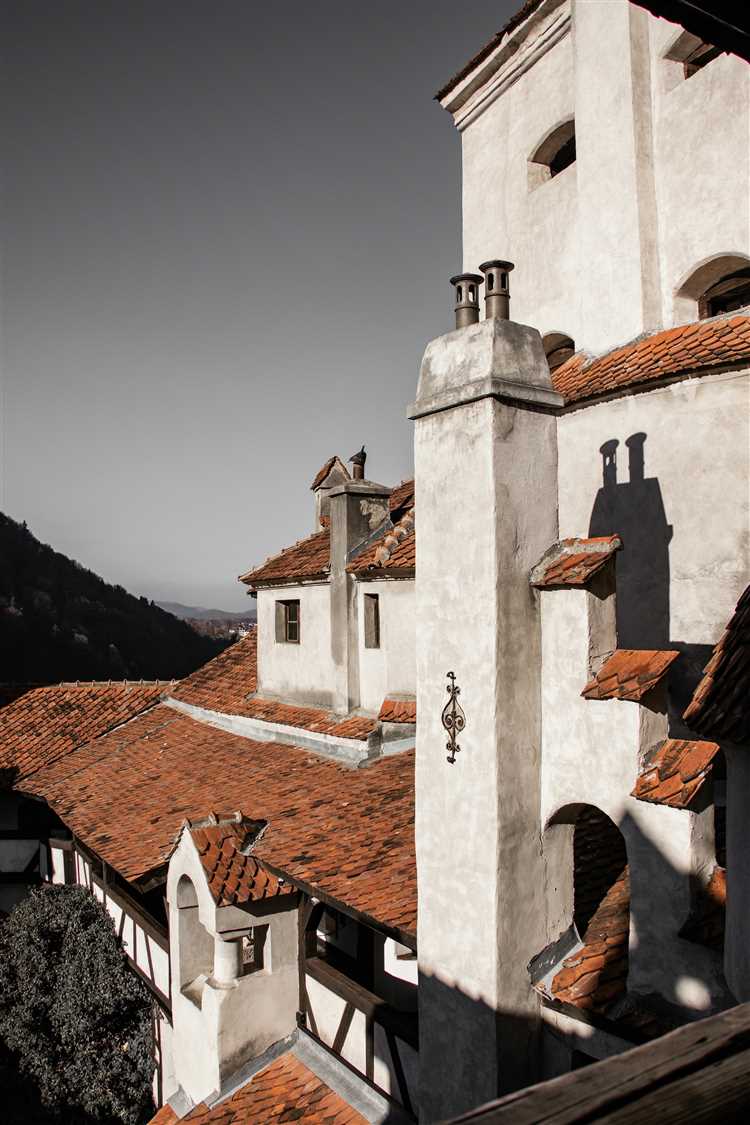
688	349
629	674
401	498
573	562
283	1091
674	772
47	723
347	832
308	558
398	711
324	470
720	706
232	875
394	551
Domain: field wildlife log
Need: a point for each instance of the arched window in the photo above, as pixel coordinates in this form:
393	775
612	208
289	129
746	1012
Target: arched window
556	153
693	53
558	348
719	285
196	946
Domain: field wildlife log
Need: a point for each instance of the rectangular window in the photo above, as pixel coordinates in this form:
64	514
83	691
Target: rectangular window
287	622
372	621
253	950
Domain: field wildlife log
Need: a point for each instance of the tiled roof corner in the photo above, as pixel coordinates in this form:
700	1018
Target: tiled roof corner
47	723
394	551
630	674
690	348
325	469
307	558
674	772
234	875
402	497
720	707
574	562
284	1091
398	711
526	10
225	682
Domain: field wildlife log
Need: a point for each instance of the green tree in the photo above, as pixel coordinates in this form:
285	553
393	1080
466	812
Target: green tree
76	1018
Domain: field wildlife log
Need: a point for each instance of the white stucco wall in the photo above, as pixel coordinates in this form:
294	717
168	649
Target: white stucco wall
389	669
304	672
697	456
660	183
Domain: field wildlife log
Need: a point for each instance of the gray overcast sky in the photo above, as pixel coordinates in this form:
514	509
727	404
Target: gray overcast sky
227	233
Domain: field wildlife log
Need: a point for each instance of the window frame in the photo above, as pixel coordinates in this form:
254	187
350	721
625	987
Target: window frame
288	621
371	612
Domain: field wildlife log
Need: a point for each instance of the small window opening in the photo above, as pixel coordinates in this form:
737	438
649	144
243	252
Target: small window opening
556	153
558	349
730	293
254	950
471	292
460	293
372	621
701	56
503	280
491	280
288	622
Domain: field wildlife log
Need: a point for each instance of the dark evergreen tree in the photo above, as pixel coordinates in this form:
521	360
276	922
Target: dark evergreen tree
74	1015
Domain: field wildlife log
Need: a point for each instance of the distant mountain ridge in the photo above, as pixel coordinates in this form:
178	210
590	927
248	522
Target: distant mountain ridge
60	621
199	613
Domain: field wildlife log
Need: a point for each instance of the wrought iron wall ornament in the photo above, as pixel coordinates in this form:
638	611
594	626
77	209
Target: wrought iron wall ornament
453	718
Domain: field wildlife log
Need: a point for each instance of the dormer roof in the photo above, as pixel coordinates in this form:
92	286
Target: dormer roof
320	480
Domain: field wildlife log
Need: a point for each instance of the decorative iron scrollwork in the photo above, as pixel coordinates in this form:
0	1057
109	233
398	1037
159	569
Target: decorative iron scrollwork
453	718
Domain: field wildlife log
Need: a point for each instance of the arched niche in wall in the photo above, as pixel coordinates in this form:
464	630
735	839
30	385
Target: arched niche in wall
558	348
718	285
195	944
588	909
555	153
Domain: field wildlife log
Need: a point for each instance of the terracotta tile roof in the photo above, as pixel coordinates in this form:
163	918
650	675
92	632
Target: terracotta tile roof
595	976
224	683
324	470
347	832
674	772
232	875
284	1091
707	918
308	558
629	674
720	706
44	724
398	711
401	498
309	718
573	562
523	13
395	550
689	349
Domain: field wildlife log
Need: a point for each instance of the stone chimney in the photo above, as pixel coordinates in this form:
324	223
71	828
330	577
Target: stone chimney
485	451
357	507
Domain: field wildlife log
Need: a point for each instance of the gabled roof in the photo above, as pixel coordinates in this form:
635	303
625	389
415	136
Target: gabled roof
306	559
691	349
45	724
720	706
285	1091
574	562
324	470
234	875
629	673
349	833
674	772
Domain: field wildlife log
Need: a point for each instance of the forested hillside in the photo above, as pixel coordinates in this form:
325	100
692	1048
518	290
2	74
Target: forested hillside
59	621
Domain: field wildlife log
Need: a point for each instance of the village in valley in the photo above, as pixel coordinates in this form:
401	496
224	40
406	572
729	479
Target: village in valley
451	823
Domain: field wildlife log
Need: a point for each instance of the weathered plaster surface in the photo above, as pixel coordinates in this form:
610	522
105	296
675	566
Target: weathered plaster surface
390	669
304	672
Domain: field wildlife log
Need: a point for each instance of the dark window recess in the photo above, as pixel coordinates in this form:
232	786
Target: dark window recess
287	622
719	777
730	293
372	621
701	56
559	351
564	157
253	946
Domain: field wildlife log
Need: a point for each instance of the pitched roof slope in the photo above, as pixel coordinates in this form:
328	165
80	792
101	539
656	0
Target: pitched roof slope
284	1091
395	551
720	706
629	673
349	833
324	470
691	348
523	13
223	683
47	723
308	558
233	874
